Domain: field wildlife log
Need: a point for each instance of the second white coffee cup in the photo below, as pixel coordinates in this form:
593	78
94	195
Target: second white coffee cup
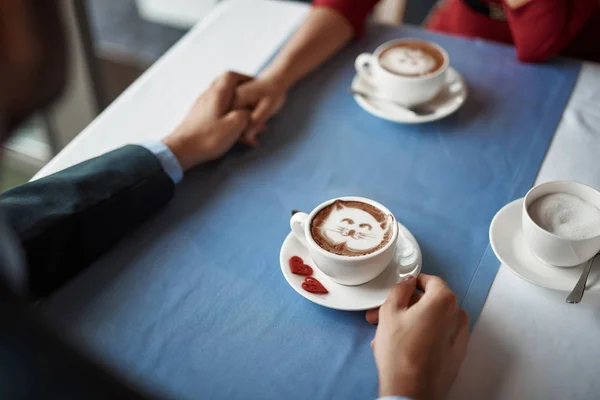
346	270
407	90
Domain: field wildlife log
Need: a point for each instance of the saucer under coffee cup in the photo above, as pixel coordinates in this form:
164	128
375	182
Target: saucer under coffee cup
357	237
567	247
407	71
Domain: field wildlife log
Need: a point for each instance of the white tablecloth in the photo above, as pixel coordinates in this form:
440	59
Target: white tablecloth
527	343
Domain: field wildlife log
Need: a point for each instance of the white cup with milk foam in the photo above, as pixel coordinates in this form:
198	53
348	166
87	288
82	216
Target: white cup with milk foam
562	248
346	270
392	84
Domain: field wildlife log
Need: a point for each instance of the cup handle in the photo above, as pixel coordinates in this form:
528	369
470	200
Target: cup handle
363	65
298	224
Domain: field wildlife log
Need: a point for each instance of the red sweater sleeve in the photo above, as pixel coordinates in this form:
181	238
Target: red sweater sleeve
543	28
355	11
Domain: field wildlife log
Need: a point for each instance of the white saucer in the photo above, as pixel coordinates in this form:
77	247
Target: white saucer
354	298
508	242
450	99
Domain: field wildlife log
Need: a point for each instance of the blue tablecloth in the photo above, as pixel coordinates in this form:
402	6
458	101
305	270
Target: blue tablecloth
194	305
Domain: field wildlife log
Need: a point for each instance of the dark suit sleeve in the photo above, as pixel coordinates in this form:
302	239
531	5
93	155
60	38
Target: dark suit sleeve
67	220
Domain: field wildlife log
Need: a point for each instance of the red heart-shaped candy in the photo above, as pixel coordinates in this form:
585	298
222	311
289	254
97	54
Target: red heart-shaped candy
299	268
312	285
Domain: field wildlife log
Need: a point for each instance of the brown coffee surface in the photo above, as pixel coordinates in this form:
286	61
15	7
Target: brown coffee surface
411	58
351	228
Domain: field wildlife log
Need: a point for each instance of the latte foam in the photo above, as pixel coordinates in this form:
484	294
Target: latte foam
351	228
566	215
411	59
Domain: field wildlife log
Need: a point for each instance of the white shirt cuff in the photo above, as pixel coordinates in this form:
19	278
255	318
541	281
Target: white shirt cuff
167	159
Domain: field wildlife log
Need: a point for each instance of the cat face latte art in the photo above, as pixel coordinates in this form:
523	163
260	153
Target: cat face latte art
351	228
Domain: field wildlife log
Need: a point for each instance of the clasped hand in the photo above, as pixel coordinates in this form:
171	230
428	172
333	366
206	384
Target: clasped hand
234	108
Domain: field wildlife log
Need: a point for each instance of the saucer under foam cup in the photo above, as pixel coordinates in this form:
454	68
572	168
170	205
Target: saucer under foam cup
552	249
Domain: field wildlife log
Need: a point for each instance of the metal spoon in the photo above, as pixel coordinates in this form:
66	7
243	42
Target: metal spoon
418	110
577	293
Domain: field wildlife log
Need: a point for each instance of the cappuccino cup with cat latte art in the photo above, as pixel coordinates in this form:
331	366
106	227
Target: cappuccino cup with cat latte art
408	71
350	239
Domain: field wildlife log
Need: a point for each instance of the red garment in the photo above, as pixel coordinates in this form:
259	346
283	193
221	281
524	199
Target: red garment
539	30
355	11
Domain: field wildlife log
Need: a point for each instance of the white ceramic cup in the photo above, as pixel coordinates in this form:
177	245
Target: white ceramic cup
346	270
552	249
408	90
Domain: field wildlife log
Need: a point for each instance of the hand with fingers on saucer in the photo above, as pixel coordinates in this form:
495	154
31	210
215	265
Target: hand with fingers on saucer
421	339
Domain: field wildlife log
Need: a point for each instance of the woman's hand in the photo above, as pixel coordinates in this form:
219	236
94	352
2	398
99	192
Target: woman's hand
324	32
264	96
